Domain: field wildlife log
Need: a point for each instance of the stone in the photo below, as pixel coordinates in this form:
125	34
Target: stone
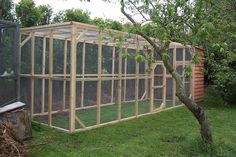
20	123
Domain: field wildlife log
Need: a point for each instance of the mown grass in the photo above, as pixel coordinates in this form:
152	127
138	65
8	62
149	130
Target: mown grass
108	113
166	134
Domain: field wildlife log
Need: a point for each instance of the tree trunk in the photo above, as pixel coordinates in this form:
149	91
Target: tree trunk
197	111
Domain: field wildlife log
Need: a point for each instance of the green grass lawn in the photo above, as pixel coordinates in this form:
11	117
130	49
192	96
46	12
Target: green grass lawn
170	133
108	113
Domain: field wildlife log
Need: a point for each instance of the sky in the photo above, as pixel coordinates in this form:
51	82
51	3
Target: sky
97	8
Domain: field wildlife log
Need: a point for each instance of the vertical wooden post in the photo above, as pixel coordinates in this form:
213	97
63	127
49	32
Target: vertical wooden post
43	73
50	82
99	82
119	82
151	86
174	83
136	79
183	66
64	76
32	72
113	71
72	78
125	74
146	80
164	87
82	82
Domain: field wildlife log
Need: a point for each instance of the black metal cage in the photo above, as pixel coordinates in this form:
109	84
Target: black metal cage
9	62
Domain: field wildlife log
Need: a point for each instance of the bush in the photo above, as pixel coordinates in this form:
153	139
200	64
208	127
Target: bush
225	85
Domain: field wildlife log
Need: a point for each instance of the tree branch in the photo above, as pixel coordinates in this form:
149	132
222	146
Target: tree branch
138	10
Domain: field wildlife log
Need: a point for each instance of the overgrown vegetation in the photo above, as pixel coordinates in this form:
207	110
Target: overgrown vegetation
154	135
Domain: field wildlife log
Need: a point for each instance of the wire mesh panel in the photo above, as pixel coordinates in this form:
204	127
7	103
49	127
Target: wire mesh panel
58	56
8	62
60	116
24	91
25	58
91	59
38	96
107	57
80	53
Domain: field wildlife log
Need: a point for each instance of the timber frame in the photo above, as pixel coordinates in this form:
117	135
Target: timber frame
73	33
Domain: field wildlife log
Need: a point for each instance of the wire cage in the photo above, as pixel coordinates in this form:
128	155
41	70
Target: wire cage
75	77
9	62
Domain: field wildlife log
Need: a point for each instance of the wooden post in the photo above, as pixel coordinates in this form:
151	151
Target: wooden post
174	84
119	83
125	74
183	66
99	82
146	80
136	79
32	72
164	87
43	73
113	71
151	86
50	82
72	78
82	82
64	76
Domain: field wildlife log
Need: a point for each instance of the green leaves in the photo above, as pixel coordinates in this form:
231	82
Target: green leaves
140	58
165	56
187	71
198	56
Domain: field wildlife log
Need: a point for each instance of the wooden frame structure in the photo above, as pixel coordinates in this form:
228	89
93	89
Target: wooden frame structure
73	82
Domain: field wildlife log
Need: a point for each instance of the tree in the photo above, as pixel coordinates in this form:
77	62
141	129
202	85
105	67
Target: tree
27	13
221	48
109	24
6	10
72	15
45	14
171	20
59	17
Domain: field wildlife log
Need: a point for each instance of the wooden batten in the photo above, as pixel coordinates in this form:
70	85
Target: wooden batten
119	84
43	73
151	87
72	79
136	79
83	70
174	83
112	73
32	72
125	75
26	40
164	87
99	82
64	76
50	81
146	81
